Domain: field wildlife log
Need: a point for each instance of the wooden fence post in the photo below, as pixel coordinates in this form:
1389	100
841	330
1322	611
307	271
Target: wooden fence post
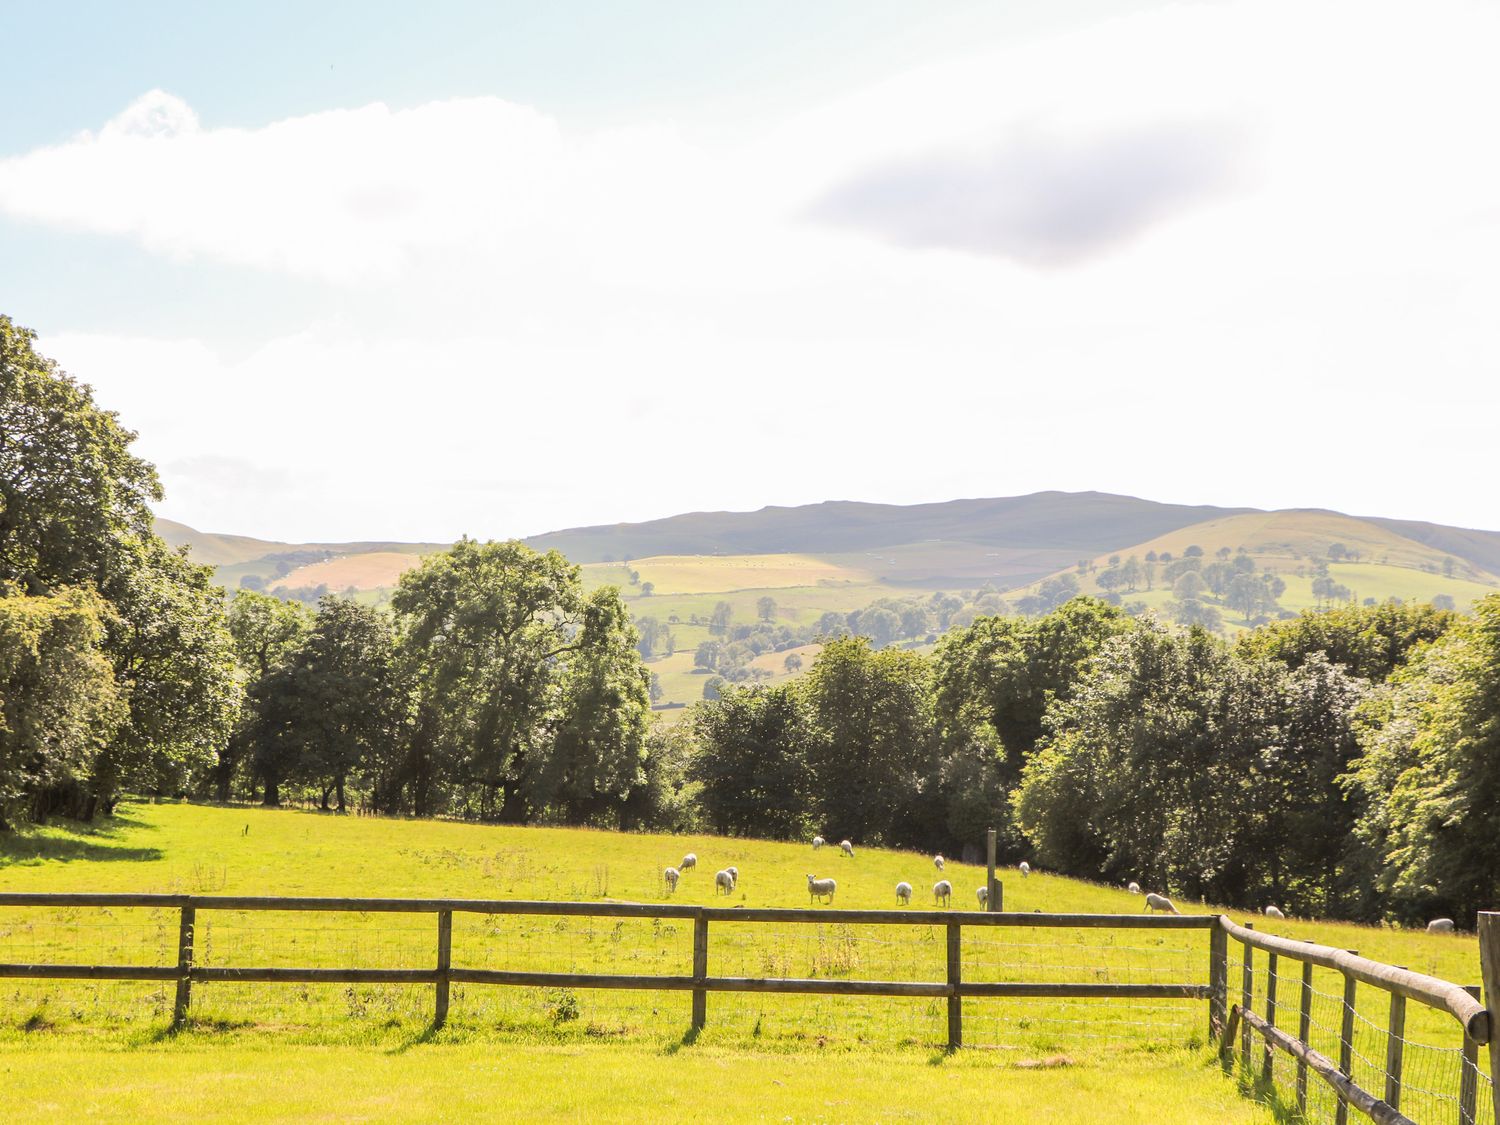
444	963
185	929
992	892
1395	1048
1346	1043
1218	983
1468	1075
1247	997
1304	1029
1268	1064
1489	963
700	970
955	981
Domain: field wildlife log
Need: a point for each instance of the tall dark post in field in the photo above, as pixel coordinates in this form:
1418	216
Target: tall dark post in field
186	925
1218	979
992	894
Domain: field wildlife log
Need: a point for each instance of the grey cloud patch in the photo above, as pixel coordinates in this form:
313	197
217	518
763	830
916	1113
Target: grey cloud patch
1036	199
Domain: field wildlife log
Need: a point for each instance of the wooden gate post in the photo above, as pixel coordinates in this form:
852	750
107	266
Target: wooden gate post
444	963
1218	982
1346	1044
955	981
1268	1061
1468	1076
700	970
1395	1048
1247	998
1489	963
185	929
1304	1029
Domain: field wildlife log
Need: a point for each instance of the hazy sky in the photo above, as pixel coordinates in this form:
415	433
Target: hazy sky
409	271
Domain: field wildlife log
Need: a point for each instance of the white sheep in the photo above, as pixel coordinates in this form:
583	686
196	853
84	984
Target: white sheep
689	860
671	875
1440	926
724	882
1025	869
1133	887
1155	902
942	891
1273	912
735	871
937	861
818	842
817	888
847	848
903	893
983	895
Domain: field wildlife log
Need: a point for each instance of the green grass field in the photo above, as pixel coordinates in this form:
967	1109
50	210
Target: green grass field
70	1048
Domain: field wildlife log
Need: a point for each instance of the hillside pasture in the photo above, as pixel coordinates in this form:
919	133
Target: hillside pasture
70	1048
374	570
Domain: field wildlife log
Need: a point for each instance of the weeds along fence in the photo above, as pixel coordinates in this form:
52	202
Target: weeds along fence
1318	1031
1035	982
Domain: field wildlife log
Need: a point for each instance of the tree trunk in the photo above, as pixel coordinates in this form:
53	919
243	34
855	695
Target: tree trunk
339	786
272	796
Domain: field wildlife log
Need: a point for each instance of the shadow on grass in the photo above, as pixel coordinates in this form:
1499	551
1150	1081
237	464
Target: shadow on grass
428	1034
689	1037
1258	1089
69	840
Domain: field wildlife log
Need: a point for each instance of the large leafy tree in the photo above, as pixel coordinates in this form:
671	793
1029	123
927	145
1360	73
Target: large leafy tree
596	756
59	705
1004	672
330	710
71	492
1368	641
507	655
265	631
752	762
874	742
1430	773
74	512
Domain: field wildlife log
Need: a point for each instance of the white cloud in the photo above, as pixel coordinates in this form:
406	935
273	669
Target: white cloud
1269	231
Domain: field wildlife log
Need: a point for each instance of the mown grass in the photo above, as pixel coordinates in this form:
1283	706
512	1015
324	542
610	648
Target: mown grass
601	1054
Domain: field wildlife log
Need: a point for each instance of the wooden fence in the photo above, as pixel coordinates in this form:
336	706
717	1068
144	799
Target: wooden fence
699	982
1477	1025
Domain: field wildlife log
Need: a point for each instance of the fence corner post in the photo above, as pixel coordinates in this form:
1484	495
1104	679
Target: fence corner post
700	969
1218	979
1395	1048
1489	963
1346	1042
444	963
1468	1076
955	983
185	929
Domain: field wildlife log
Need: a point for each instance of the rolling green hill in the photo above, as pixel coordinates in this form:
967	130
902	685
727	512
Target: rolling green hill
842	556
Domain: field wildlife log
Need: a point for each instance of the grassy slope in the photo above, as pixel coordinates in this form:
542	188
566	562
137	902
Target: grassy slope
270	1067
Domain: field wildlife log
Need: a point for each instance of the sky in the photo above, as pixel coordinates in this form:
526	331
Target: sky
395	271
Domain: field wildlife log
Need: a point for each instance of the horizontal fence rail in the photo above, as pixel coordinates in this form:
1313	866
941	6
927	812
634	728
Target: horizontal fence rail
954	989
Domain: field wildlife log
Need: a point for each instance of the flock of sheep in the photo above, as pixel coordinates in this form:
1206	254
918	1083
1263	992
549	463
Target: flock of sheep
819	890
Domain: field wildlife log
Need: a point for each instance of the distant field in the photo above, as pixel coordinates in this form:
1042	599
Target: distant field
370	571
73	1049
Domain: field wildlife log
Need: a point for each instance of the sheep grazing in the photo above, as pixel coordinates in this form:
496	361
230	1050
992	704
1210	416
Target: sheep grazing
689	860
1440	926
817	888
983	895
847	848
1133	887
735	871
724	883
1273	912
1155	902
671	875
903	893
818	842
937	861
942	891
1025	869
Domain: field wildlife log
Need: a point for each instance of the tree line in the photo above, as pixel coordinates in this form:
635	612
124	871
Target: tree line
1342	763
